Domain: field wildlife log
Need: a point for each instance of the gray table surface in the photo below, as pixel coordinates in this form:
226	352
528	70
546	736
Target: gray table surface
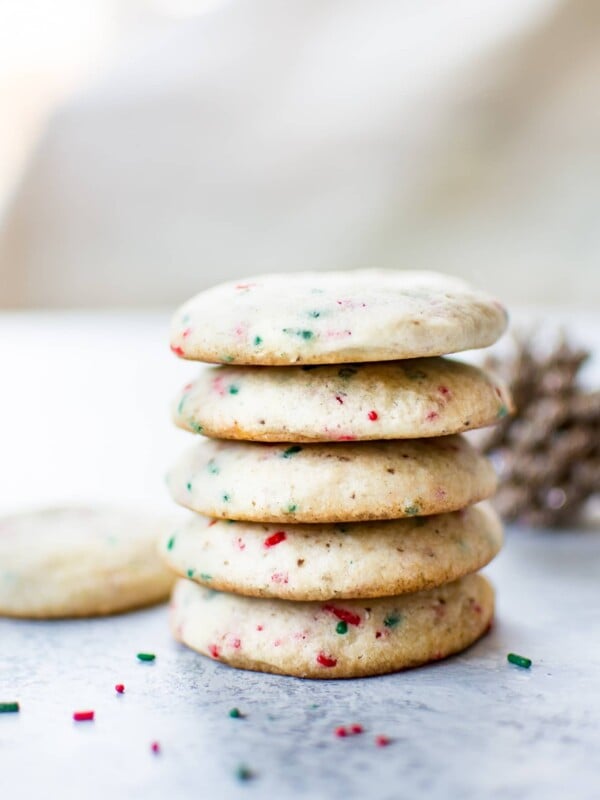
472	726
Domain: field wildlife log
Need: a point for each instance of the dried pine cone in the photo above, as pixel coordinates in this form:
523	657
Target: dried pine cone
548	454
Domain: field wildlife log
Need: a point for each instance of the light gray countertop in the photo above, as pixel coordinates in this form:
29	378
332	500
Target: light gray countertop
469	727
84	417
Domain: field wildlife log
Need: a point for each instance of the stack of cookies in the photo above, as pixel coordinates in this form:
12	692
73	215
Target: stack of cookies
337	527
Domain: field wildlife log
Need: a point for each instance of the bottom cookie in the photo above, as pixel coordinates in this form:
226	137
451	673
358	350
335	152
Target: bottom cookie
348	639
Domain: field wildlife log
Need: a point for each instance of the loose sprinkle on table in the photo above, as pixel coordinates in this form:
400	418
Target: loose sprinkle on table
146	656
519	661
120	688
155	747
356	729
235	713
83	716
382	740
8	708
340	732
243	773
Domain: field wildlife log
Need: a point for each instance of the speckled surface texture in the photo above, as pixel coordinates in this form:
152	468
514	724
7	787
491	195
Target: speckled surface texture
469	727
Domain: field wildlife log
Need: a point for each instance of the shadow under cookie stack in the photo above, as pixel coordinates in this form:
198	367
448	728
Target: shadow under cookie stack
337	528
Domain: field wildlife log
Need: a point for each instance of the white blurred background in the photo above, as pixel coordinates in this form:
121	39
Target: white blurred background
149	148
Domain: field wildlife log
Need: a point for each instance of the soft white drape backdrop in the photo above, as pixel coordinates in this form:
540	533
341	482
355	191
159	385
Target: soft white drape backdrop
322	134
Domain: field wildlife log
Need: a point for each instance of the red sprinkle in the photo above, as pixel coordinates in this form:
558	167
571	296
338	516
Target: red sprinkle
444	391
326	661
177	350
120	688
373	415
186	333
274	538
339	399
213	650
341	732
431	416
382	740
346	438
83	716
155	747
356	729
343	614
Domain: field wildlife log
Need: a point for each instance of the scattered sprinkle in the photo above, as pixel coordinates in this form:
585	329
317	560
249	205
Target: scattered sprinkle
120	688
411	510
243	773
204	576
519	661
291	508
291	451
155	747
391	620
233	389
8	708
235	713
342	613
146	656
340	732
382	740
373	415
171	543
190	572
83	716
257	341
274	538
188	486
325	660
226	498
341	627
195	426
356	729
177	350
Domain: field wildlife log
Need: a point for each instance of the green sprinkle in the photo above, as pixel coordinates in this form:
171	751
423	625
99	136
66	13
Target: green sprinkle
146	656
233	389
195	426
181	404
226	498
341	627
188	486
8	708
300	333
295	448
411	510
519	661
171	543
190	573
502	412
391	620
243	773
235	713
257	341
212	467
314	314
205	576
291	508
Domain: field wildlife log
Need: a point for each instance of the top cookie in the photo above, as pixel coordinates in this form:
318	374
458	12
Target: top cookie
335	317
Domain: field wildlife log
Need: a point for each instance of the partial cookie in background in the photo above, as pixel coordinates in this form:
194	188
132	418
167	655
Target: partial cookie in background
335	317
324	562
390	400
80	562
341	482
341	639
